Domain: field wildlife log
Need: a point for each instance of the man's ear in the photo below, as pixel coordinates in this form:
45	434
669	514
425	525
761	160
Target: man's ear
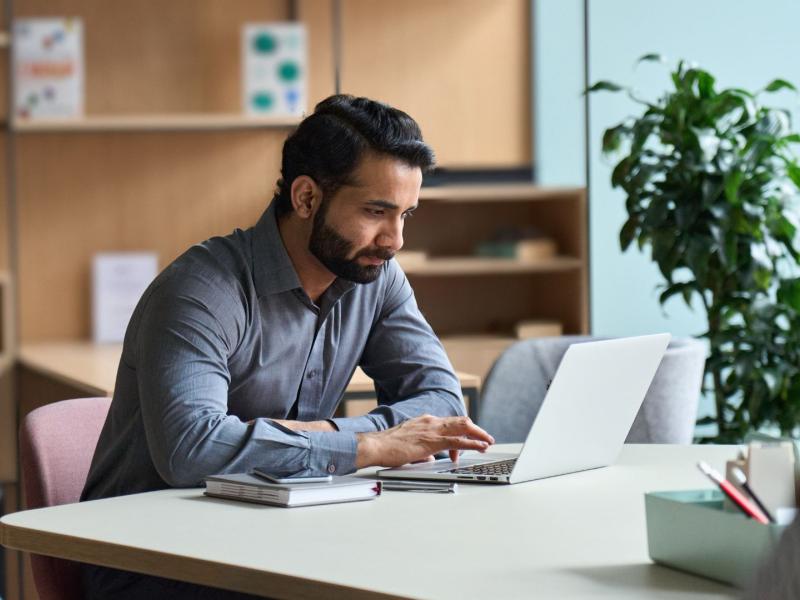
306	196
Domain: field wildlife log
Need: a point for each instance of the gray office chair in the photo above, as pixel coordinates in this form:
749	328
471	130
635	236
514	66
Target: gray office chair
516	385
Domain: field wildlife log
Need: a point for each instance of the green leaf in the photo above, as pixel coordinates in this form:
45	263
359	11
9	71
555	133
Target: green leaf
604	86
652	57
793	171
705	84
628	233
779	84
612	138
620	173
793	138
789	293
732	184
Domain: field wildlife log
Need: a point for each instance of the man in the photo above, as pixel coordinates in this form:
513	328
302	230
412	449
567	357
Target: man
239	352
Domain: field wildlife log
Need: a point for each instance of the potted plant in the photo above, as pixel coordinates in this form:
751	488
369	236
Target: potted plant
712	185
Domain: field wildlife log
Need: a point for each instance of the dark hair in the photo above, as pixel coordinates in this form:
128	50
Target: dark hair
328	144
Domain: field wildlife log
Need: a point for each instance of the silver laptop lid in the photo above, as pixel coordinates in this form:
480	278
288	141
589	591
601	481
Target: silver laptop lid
590	406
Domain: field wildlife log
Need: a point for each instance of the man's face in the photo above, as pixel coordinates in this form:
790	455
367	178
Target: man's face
361	226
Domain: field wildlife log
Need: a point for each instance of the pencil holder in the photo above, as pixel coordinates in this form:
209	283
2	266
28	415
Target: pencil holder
690	531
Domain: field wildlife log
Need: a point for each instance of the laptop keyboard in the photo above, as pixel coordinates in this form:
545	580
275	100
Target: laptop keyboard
502	467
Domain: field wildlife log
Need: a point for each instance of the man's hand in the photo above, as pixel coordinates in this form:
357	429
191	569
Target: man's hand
419	438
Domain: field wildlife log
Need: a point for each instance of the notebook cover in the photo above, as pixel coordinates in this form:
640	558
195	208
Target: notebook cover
249	488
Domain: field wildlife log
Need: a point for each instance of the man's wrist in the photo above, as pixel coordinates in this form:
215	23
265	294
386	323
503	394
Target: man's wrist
366	450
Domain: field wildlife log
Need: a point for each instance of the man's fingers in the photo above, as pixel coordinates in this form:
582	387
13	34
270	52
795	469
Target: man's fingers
429	458
465	426
463	443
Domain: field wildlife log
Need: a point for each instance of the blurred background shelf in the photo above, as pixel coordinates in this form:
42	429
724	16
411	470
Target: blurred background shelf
5	39
489	266
497	193
163	122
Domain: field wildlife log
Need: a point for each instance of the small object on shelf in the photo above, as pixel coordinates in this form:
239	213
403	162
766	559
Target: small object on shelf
4	40
118	281
274	67
526	245
536	328
534	249
48	68
411	258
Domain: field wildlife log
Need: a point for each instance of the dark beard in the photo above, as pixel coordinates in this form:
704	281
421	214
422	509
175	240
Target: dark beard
332	250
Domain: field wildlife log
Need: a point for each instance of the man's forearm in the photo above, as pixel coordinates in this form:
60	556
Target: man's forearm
306	425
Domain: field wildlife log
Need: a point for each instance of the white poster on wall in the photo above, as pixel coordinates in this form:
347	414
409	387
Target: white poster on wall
274	69
48	68
118	281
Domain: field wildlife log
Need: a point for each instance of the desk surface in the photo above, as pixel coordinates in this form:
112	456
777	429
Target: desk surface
93	367
576	536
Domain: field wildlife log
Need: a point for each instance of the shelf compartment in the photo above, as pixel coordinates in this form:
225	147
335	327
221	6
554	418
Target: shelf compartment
498	193
490	266
154	122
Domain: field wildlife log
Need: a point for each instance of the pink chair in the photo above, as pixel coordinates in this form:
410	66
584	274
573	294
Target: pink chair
57	442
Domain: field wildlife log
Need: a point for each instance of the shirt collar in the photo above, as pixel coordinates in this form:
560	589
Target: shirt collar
273	271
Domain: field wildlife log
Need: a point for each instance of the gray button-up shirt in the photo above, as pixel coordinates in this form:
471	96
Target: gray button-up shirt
225	340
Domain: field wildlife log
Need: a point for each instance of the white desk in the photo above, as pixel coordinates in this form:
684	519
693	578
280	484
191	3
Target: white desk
576	536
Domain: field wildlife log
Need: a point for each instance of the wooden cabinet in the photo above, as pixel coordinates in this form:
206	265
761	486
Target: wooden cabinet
485	298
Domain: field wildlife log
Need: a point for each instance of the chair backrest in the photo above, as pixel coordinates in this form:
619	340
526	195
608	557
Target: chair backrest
57	442
517	383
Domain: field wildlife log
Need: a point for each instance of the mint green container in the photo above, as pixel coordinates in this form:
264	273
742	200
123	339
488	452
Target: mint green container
689	531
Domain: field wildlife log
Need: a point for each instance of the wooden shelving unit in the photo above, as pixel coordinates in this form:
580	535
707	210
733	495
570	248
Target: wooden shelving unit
165	123
474	303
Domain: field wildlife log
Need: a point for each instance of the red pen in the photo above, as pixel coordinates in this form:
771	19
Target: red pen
747	507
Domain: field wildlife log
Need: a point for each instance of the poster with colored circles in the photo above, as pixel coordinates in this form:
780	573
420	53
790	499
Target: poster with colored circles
48	68
274	61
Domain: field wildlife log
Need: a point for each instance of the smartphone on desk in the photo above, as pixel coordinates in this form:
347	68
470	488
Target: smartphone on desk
264	474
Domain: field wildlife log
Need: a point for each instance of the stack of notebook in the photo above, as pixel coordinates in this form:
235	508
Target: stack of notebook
249	488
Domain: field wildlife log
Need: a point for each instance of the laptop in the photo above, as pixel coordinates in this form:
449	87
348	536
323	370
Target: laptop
582	423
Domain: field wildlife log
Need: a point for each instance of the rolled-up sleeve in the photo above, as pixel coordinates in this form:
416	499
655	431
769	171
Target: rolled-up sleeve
183	346
408	364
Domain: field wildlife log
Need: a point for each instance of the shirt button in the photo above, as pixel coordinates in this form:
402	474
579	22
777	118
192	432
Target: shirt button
331	468
311	374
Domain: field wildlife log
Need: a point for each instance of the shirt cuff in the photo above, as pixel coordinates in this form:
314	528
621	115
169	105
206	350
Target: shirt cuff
355	424
332	453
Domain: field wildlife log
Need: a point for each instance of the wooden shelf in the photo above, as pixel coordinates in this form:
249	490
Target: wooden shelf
497	193
5	39
490	266
173	122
